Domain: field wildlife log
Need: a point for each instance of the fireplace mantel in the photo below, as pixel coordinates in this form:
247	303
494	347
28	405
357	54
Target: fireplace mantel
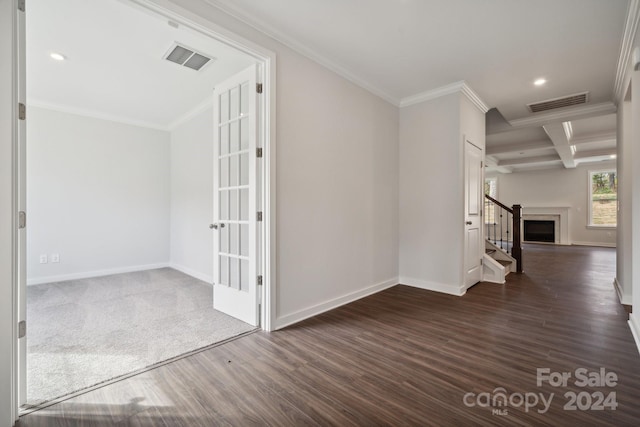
558	214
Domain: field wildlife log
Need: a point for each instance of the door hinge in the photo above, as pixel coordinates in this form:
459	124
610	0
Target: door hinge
22	329
259	152
21	5
259	87
22	111
259	216
260	280
481	165
22	220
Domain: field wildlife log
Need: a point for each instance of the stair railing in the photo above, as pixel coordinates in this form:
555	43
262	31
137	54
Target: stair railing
503	228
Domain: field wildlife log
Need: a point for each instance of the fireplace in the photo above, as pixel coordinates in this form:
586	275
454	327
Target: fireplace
539	231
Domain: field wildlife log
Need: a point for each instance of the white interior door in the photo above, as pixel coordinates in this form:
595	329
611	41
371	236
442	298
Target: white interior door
473	215
235	290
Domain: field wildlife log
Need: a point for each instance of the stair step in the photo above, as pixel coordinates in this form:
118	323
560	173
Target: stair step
504	262
490	251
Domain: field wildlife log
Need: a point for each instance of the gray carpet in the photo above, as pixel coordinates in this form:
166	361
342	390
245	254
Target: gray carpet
84	332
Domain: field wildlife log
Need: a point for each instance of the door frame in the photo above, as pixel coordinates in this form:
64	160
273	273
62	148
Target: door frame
266	60
467	141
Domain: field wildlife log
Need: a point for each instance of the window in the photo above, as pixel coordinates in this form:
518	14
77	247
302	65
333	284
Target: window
490	189
603	198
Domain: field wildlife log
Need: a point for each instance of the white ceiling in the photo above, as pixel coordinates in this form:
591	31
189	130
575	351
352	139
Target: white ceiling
399	49
115	68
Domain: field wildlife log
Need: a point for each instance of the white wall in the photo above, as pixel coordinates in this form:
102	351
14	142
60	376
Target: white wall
337	180
431	195
192	196
7	107
634	181
625	169
558	188
97	195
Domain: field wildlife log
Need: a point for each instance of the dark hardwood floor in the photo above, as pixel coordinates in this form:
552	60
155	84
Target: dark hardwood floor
402	357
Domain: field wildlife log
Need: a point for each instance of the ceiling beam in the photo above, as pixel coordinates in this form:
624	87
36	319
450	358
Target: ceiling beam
513	148
558	116
560	139
606	152
599	137
565	114
492	164
529	160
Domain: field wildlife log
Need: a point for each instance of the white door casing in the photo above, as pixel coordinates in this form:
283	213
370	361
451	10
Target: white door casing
235	226
473	193
21	162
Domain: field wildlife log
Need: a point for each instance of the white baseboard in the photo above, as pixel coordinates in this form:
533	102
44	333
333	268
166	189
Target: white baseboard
434	286
624	299
599	244
189	272
634	324
306	313
95	273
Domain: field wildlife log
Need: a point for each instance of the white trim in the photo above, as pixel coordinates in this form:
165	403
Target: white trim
434	286
474	98
193	273
93	114
634	324
565	114
300	48
626	46
460	86
624	299
95	273
207	103
317	309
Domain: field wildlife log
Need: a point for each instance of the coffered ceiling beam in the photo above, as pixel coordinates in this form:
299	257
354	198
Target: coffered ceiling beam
514	148
529	160
560	138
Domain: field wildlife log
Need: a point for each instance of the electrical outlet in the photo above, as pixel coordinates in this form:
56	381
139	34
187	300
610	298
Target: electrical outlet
43	259
55	257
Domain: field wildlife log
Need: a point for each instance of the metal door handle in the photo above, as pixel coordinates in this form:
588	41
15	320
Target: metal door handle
215	226
469	223
222	225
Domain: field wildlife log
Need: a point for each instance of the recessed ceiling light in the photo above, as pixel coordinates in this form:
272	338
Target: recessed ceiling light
540	82
613	156
58	56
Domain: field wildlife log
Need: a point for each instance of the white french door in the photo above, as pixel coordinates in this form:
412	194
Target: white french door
235	225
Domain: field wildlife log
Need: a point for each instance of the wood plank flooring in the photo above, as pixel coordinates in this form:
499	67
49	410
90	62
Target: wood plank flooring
401	357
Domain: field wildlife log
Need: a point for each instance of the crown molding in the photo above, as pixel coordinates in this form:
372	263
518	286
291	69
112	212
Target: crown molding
474	98
94	114
203	106
432	94
626	46
300	48
460	86
572	113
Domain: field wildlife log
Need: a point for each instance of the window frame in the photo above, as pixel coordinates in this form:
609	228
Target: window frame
590	223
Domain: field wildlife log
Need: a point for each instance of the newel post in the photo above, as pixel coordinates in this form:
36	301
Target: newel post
516	250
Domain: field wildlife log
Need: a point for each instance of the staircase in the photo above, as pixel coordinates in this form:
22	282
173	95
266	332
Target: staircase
503	251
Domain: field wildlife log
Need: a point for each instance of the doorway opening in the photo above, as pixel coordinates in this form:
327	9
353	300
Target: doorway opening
123	143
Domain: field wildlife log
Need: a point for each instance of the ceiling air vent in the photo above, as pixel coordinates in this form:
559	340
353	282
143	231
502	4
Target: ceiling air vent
565	101
187	57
